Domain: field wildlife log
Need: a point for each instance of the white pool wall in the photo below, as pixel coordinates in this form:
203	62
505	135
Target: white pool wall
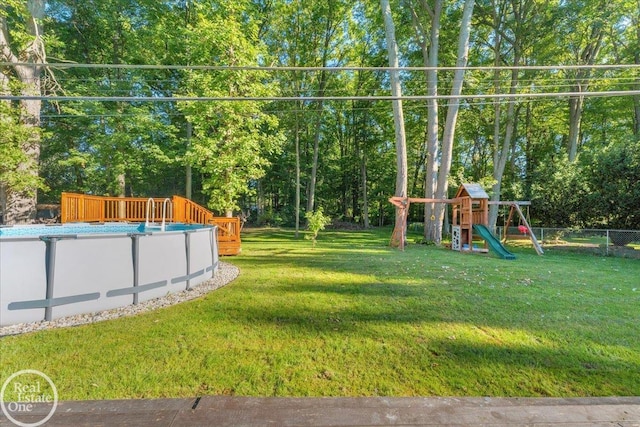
95	272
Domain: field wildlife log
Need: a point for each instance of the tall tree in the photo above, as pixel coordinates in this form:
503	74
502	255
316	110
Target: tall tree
439	159
231	140
587	27
515	27
26	53
627	50
330	28
448	133
115	148
286	36
426	20
310	34
398	120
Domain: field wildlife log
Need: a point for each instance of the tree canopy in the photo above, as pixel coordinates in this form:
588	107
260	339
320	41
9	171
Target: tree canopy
133	98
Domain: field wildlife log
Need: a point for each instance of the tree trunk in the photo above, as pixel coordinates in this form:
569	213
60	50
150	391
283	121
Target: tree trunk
314	165
581	84
187	171
452	116
636	98
4	90
498	151
502	151
636	110
318	130
297	208
20	206
398	119
575	121
121	192
430	229
365	199
430	51
260	198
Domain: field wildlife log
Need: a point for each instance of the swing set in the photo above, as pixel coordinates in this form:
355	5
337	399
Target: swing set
523	225
470	214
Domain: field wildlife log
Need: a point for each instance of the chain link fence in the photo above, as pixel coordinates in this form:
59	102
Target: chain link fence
599	241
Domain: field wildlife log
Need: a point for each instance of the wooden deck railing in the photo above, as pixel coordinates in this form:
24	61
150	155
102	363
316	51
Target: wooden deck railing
86	208
189	212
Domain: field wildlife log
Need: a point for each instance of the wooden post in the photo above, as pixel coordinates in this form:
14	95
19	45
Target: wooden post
508	223
400	228
81	211
485	212
470	225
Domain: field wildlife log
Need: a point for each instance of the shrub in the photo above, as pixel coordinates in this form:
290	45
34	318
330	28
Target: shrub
621	238
316	221
269	218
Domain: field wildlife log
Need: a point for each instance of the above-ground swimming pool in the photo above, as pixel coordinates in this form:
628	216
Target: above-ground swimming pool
89	228
48	272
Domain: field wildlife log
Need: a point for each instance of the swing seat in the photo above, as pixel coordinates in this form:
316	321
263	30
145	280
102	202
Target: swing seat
516	233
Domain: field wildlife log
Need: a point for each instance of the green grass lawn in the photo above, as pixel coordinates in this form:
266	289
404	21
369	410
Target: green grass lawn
356	318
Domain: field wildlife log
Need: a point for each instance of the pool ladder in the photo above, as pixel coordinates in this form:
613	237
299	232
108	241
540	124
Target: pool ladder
151	212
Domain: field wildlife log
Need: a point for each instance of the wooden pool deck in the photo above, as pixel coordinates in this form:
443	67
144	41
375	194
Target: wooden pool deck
99	209
375	411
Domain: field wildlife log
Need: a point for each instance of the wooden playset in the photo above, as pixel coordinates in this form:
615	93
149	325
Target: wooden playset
470	208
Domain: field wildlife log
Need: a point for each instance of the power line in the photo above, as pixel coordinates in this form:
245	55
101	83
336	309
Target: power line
65	65
57	98
123	85
165	114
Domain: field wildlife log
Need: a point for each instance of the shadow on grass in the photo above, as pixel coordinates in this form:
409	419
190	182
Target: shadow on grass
425	288
429	341
541	369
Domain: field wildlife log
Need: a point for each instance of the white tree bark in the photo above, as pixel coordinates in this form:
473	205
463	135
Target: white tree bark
430	47
398	116
452	116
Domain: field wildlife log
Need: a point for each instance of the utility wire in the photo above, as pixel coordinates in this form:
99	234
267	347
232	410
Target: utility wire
164	114
65	65
56	98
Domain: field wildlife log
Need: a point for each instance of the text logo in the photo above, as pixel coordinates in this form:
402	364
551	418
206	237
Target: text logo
25	397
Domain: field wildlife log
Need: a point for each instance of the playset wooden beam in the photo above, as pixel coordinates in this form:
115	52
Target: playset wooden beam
404	201
508	222
509	203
